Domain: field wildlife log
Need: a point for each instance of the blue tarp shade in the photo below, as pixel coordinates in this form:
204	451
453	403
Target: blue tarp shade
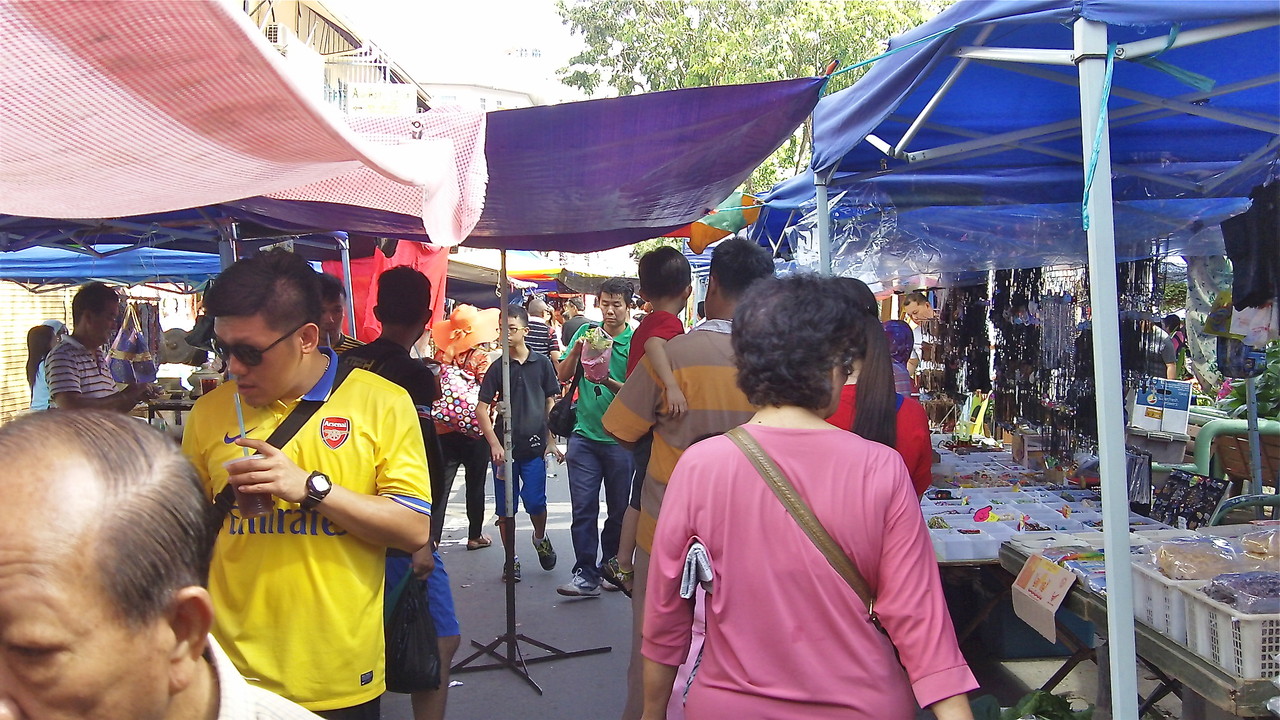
42	266
603	173
1182	156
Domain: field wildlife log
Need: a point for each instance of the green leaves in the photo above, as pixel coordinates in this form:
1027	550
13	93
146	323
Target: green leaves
1268	387
634	46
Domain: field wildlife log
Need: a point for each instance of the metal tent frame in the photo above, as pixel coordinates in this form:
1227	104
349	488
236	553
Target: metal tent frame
1092	57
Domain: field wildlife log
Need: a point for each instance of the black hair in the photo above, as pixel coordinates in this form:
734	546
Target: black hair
702	309
736	263
876	403
861	296
156	530
915	297
404	297
93	297
1171	323
331	288
276	284
782	362
518	313
664	273
618	286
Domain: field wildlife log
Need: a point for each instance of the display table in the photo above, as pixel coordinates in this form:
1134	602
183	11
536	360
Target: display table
1193	678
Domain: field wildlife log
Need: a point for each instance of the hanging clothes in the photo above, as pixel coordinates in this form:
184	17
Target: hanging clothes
1251	239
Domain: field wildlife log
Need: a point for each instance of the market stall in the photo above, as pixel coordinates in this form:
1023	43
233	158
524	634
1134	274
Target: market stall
1180	92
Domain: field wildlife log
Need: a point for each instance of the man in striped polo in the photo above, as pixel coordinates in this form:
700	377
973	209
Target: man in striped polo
76	370
702	362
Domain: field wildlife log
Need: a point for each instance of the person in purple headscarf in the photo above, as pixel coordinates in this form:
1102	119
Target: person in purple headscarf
901	341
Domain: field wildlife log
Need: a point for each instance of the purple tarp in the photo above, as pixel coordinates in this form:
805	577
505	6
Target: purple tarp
598	174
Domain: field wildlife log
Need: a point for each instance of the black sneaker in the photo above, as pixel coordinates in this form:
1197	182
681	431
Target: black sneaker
515	572
546	553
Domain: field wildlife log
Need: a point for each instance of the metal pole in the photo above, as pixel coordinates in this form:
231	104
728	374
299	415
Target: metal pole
824	225
344	247
1255	439
1091	53
227	251
508	480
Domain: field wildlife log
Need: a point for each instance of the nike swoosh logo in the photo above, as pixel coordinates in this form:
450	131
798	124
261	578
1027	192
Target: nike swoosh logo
228	439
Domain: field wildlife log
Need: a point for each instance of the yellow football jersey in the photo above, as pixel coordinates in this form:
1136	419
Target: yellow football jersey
298	600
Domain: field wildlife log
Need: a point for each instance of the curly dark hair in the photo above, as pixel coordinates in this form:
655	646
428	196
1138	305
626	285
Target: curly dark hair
276	284
783	362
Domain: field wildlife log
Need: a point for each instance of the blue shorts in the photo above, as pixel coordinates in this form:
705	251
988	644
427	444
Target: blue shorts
530	482
436	586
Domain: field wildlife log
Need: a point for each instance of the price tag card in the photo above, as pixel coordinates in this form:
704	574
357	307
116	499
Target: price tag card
1038	593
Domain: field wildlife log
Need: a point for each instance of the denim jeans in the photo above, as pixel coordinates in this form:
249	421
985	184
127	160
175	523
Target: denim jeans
592	465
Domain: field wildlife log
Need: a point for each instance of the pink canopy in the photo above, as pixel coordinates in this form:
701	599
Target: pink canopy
130	107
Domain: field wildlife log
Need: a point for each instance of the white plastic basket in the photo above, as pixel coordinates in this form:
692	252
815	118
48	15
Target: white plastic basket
1160	602
1244	645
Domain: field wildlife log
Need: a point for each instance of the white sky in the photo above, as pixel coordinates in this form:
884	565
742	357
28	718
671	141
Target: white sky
443	40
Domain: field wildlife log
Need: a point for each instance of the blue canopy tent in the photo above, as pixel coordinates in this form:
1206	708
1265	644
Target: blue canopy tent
42	268
1185	92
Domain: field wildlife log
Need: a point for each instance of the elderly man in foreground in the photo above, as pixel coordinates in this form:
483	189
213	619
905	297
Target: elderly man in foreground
103	565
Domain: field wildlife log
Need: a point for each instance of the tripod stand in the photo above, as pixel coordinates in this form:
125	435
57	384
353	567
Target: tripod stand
504	650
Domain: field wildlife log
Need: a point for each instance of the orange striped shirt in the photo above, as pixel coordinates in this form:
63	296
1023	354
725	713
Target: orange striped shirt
702	362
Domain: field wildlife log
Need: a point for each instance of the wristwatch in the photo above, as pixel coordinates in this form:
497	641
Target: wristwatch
318	487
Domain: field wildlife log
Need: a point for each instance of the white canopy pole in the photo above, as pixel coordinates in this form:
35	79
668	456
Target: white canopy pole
1091	53
344	246
824	224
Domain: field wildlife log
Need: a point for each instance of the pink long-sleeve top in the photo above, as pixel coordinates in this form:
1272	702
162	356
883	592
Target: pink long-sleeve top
786	636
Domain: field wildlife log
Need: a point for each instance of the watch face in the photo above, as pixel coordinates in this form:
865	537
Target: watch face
321	483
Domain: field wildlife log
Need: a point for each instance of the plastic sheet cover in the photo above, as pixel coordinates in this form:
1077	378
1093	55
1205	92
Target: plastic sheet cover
880	243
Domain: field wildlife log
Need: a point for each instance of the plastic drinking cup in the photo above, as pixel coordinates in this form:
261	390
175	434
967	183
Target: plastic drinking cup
250	504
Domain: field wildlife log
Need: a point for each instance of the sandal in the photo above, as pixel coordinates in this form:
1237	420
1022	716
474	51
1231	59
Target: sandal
479	543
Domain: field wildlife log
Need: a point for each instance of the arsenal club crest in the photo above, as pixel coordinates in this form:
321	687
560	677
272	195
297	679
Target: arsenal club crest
334	431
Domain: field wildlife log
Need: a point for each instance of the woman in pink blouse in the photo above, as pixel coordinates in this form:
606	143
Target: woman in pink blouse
786	636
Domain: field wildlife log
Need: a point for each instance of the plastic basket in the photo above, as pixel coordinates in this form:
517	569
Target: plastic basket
1160	602
1244	645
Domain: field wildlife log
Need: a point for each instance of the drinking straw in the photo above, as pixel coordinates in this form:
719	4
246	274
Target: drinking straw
240	419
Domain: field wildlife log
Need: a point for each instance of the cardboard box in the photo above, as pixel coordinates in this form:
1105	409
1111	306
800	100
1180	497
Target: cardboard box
1161	406
1029	448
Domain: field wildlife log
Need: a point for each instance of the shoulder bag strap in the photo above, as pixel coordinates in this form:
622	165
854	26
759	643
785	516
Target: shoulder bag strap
302	412
805	518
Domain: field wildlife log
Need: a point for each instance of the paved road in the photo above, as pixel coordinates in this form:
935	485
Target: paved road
582	688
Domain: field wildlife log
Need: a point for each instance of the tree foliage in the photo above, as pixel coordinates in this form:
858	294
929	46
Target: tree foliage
635	46
644	247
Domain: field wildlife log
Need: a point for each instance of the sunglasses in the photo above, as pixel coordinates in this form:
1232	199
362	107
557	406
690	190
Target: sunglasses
248	354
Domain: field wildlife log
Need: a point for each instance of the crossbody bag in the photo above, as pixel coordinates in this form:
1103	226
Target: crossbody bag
284	432
807	521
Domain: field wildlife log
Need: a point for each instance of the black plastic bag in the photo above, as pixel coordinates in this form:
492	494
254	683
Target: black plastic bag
413	658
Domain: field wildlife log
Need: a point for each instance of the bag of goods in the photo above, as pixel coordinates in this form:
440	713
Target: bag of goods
1252	593
1264	544
596	354
1199	558
130	357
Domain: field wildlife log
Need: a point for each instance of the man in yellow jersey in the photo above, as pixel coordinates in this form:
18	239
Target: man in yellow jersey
298	590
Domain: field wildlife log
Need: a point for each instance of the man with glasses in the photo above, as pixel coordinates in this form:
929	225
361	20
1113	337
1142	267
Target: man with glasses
298	590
